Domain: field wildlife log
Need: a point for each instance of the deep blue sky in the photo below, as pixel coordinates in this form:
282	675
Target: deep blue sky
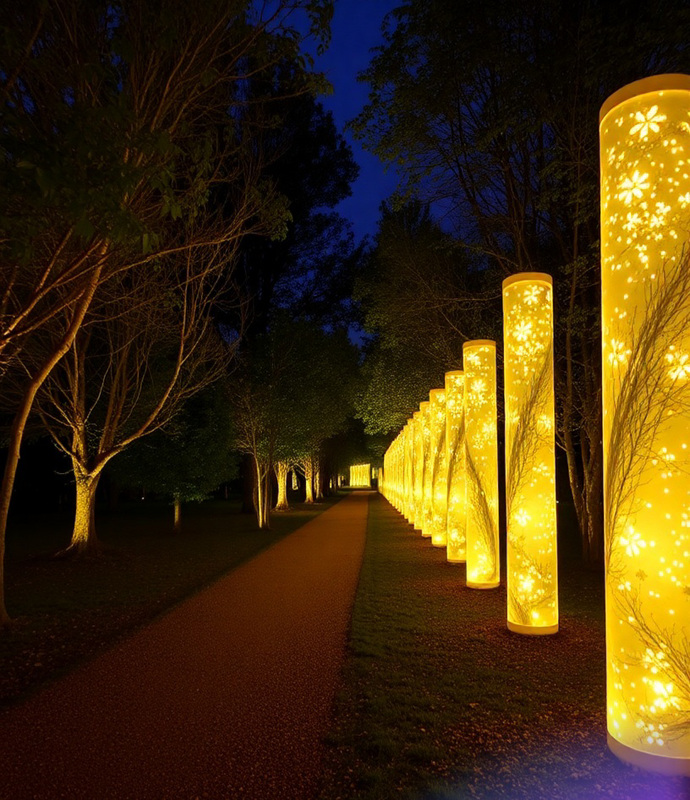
356	29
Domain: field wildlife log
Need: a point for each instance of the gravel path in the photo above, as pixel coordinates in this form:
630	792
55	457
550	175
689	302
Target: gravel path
227	696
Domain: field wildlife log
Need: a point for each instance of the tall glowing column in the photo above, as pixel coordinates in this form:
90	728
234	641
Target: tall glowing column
405	436
455	454
360	475
427	501
438	467
481	464
645	236
417	492
530	453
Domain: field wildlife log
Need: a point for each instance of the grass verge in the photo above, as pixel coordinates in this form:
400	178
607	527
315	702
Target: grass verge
68	611
440	700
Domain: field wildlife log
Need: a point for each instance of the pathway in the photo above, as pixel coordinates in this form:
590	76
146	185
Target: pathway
227	696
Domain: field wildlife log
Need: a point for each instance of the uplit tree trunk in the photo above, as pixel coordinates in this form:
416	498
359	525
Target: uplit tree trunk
308	468
262	494
318	480
282	470
84	539
177	505
22	414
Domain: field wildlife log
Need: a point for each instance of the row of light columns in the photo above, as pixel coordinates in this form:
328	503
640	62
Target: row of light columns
450	488
441	472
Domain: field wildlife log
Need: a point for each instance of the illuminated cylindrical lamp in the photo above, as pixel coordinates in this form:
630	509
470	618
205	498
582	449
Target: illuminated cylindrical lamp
418	466
455	456
427	495
481	464
645	275
360	475
407	476
439	479
411	473
530	453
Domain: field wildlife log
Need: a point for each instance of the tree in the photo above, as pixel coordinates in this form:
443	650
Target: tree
492	110
187	459
292	394
308	269
147	345
421	296
117	118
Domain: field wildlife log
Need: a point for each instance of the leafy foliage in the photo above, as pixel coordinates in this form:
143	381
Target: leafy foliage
189	458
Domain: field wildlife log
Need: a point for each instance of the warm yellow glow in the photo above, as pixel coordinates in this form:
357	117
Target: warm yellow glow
427	497
418	469
438	466
645	233
408	455
360	475
530	453
481	463
455	455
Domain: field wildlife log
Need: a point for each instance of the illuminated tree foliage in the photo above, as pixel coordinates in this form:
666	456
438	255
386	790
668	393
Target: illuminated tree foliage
120	122
147	345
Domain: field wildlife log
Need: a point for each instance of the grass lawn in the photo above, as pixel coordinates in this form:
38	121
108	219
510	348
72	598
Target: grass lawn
440	700
67	611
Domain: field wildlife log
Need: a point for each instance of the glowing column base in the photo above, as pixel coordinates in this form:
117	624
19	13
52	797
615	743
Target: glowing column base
532	630
665	765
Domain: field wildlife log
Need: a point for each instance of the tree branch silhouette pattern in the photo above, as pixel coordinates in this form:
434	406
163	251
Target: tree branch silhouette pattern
456	475
478	506
647	396
528	439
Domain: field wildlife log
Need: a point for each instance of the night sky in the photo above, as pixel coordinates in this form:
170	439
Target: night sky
356	29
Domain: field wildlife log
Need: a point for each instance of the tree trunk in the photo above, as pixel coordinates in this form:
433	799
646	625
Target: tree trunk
308	480
282	472
177	504
84	539
318	484
19	422
262	494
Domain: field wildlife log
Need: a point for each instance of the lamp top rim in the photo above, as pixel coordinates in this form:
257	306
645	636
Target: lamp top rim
665	82
479	343
454	373
423	405
435	393
528	277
